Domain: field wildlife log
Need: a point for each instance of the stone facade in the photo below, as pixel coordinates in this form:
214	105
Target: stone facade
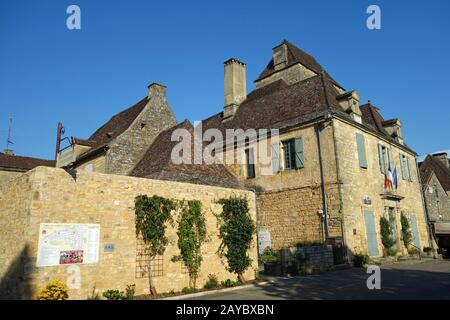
7	175
363	189
129	147
438	201
49	195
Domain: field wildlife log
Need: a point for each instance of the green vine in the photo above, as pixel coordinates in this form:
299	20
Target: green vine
152	214
386	233
406	230
236	231
191	235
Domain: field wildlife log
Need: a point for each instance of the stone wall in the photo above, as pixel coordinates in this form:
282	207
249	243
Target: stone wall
438	201
289	201
129	148
7	175
358	184
49	195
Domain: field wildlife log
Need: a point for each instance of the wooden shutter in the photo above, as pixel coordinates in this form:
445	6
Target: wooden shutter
381	158
402	165
299	156
390	159
275	157
409	169
360	145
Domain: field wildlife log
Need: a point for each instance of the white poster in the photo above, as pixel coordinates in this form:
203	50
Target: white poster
68	243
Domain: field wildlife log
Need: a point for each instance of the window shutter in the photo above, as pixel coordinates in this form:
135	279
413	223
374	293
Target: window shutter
299	157
402	165
360	145
275	157
381	158
409	169
390	158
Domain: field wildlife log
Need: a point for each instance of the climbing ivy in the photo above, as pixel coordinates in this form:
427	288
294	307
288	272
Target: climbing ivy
152	214
386	234
191	235
406	231
236	231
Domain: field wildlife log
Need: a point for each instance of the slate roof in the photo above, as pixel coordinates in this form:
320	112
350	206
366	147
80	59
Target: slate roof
157	164
18	163
430	165
269	106
296	55
117	124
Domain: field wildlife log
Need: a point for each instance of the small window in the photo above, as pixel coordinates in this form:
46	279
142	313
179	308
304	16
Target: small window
250	161
289	154
143	126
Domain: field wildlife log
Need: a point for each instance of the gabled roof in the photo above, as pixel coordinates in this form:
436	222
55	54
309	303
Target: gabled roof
116	125
371	115
157	163
430	165
296	55
18	163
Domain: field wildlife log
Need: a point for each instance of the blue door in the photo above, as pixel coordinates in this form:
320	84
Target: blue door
371	233
415	231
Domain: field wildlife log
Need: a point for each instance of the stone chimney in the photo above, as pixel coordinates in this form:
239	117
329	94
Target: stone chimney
235	86
156	89
280	56
349	101
394	128
443	158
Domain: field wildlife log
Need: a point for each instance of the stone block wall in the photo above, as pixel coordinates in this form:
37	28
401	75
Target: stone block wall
129	148
358	184
49	195
438	201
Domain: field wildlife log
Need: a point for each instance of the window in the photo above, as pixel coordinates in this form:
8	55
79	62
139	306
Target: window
386	159
250	161
289	154
406	167
293	153
360	146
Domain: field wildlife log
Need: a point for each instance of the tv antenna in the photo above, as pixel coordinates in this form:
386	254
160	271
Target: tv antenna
9	138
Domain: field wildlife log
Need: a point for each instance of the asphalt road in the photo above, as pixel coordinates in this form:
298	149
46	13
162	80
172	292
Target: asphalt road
429	279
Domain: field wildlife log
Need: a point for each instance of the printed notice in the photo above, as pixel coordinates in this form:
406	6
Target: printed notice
68	243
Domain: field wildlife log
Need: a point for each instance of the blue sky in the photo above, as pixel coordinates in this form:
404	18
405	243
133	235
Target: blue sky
82	77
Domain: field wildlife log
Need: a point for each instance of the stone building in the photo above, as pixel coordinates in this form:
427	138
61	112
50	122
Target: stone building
435	174
330	163
118	145
12	166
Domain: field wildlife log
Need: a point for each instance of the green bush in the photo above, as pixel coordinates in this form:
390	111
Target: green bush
129	291
386	233
212	282
390	252
230	283
114	295
360	259
406	230
188	290
269	254
413	251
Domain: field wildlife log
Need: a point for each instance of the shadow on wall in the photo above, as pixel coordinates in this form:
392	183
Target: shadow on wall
14	285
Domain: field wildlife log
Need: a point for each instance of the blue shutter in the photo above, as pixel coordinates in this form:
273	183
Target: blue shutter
381	158
360	145
299	157
409	169
371	233
402	165
415	231
390	159
275	157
